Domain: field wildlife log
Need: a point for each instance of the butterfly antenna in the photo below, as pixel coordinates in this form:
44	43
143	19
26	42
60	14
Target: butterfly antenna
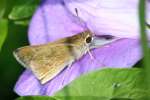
76	10
80	21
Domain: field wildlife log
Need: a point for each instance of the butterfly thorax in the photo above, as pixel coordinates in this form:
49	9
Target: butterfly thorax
76	44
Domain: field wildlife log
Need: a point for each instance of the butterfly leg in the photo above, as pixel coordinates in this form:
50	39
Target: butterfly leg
90	54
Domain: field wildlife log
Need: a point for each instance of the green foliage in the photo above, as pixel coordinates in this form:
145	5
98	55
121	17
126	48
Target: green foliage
2	7
22	22
9	68
64	98
13	34
110	83
23	9
73	98
81	98
36	98
144	41
3	31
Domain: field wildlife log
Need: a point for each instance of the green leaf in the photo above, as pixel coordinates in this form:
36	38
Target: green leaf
63	98
144	41
3	31
2	7
110	83
82	98
73	98
36	98
10	69
23	9
22	22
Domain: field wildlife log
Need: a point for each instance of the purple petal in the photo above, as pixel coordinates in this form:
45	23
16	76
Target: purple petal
111	17
28	84
52	21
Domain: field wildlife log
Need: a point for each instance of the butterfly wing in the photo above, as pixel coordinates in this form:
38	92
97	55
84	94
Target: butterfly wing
45	61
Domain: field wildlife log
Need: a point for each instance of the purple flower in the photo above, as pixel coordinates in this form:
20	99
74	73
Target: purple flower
55	19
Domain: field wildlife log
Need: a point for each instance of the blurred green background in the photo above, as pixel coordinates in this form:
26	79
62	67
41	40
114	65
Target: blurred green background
9	68
14	18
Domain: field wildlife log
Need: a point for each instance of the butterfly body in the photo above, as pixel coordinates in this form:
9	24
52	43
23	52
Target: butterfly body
48	60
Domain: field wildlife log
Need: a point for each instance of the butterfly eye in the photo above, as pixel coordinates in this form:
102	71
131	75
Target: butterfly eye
88	39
